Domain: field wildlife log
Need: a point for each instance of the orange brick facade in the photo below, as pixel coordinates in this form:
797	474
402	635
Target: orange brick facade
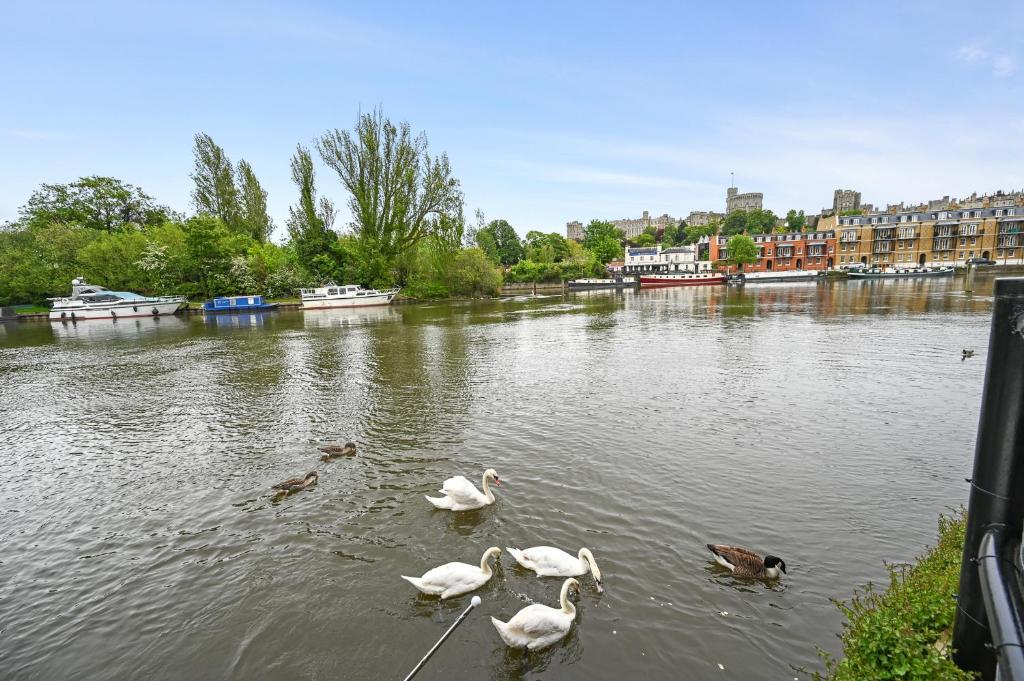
785	252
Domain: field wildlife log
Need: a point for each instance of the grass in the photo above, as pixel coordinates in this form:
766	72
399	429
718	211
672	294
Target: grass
892	634
31	309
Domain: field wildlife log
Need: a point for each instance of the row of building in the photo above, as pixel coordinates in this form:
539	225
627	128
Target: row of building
939	232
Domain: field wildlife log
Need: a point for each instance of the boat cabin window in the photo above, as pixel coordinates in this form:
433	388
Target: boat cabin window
332	291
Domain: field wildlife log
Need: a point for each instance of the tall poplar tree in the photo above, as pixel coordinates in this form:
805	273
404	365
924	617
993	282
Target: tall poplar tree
214	177
311	220
253	204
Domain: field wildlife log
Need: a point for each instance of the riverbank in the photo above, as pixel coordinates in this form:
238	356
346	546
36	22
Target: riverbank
904	632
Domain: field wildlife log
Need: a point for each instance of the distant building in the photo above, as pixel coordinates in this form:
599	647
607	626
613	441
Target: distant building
631	227
784	252
701	218
574	230
645	259
748	201
844	200
941	232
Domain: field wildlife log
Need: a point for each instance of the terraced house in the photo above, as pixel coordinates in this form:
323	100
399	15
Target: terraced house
989	229
784	252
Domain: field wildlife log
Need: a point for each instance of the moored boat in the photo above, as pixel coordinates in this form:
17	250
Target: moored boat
741	278
332	295
594	284
88	301
228	304
899	272
698	279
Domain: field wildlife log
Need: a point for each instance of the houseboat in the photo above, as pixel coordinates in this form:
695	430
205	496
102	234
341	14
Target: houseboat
698	279
899	272
333	295
88	301
600	284
741	278
228	304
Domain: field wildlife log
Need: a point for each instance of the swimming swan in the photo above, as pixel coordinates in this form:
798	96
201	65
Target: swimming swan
538	626
547	561
455	579
461	495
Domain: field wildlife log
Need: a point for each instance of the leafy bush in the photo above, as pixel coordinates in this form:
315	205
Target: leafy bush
892	634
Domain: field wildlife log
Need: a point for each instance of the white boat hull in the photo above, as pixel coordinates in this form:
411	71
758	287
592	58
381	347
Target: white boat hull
348	301
122	310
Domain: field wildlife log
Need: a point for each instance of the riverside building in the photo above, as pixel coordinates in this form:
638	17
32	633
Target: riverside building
783	252
990	228
651	259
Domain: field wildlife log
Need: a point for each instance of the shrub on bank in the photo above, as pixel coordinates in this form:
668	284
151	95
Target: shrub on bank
892	634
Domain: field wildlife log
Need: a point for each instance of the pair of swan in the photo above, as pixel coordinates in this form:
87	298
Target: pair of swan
535	626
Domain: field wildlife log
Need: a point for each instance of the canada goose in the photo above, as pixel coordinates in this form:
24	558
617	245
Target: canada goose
461	495
297	484
455	579
746	563
967	353
335	451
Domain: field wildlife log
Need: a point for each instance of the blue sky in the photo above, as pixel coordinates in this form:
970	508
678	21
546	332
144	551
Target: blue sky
548	111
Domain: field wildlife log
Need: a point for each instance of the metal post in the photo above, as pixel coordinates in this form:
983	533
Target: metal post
472	604
1002	603
998	471
969	280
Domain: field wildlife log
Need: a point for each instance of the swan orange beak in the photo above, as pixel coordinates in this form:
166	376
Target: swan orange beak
497	482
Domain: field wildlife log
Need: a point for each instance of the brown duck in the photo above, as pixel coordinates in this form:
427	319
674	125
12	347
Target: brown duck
335	451
297	484
746	563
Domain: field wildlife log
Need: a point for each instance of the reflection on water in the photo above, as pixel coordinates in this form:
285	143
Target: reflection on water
828	423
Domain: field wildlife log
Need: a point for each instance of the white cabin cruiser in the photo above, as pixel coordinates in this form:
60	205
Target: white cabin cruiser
89	301
349	295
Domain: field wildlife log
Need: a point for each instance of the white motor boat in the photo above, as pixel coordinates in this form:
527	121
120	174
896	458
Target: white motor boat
349	295
89	301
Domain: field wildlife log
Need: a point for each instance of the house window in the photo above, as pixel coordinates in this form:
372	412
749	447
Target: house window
963	242
1010	211
974	240
999	213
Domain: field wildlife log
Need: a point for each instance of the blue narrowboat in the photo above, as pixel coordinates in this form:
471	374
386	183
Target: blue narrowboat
238	304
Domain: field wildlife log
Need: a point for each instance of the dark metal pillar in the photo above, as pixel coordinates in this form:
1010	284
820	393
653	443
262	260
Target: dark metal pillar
998	472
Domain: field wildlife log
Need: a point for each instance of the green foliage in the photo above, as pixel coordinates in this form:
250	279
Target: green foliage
694	234
892	634
674	235
552	247
309	225
507	248
436	271
604	240
253	204
735	223
214	177
397	189
579	263
795	222
644	239
102	203
754	221
741	250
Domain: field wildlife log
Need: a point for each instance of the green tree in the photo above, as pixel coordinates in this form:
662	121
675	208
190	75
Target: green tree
310	221
735	223
397	189
673	235
694	234
551	247
487	243
795	222
598	230
102	203
253	204
760	221
508	247
214	177
741	250
645	239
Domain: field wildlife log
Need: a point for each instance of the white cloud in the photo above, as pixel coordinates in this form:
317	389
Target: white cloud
971	54
1003	66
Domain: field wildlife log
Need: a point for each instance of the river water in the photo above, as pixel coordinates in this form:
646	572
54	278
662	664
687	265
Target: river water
826	423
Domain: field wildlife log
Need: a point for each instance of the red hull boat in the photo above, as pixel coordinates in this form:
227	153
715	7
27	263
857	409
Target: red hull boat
662	280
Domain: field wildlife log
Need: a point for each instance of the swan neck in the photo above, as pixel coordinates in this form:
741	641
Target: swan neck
567	607
487	490
485	564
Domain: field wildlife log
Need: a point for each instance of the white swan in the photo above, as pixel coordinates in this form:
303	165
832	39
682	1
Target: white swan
455	579
547	561
461	495
538	626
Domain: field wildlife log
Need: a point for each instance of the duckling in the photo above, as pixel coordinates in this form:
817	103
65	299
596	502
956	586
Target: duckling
335	451
746	563
297	484
967	353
